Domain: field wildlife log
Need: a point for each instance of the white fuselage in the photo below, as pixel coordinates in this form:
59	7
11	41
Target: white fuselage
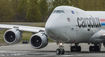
72	25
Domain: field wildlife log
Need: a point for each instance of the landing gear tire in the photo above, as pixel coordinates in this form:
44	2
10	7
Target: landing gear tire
58	51
91	48
78	49
75	49
94	49
97	49
63	52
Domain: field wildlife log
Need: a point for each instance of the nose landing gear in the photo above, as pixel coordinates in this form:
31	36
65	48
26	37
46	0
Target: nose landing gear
60	50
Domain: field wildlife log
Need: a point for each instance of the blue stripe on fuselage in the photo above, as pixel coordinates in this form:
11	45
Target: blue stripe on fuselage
102	23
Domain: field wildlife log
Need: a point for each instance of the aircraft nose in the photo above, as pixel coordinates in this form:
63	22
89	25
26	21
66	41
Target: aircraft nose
53	25
55	31
51	28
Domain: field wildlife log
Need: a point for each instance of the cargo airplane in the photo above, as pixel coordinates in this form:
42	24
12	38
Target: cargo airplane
66	25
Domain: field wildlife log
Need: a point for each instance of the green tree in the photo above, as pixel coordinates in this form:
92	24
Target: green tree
89	5
50	7
61	3
103	5
65	2
93	5
21	10
33	13
74	3
14	5
80	4
99	5
56	3
6	11
43	8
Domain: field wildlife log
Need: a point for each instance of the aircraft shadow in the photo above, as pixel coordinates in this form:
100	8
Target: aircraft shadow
75	52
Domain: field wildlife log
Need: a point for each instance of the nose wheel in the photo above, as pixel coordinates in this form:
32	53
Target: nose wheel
60	50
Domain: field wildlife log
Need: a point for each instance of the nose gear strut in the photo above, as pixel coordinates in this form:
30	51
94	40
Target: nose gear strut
60	50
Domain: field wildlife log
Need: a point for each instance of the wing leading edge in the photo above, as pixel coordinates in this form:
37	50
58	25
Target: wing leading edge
22	28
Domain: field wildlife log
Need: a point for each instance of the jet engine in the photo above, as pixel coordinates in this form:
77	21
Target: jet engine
39	40
12	36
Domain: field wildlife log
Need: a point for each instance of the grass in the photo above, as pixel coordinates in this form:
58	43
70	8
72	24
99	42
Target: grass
1	36
26	35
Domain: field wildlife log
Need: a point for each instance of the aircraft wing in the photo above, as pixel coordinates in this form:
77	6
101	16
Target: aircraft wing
99	35
22	28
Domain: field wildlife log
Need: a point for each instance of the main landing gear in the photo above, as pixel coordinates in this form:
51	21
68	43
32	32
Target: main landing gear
60	50
75	48
95	48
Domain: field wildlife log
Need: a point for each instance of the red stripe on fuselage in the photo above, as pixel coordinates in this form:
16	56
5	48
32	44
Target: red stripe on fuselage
102	20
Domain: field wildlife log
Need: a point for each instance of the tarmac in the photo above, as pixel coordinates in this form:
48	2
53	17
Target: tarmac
25	50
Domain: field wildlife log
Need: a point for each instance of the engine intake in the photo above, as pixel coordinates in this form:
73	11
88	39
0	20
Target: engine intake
39	40
12	36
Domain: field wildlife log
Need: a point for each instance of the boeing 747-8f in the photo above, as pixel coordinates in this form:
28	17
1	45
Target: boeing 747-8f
66	24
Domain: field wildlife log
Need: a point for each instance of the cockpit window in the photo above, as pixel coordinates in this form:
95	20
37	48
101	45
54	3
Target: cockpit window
58	11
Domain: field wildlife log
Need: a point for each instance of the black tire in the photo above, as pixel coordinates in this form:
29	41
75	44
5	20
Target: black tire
63	52
58	51
97	48
73	48
91	48
78	49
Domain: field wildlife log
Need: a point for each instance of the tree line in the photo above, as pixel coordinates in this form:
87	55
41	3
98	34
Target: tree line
39	10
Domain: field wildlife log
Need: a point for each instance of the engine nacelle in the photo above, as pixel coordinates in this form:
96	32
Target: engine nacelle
12	36
39	40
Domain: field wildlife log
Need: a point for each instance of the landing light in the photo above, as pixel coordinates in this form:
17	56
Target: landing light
61	44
